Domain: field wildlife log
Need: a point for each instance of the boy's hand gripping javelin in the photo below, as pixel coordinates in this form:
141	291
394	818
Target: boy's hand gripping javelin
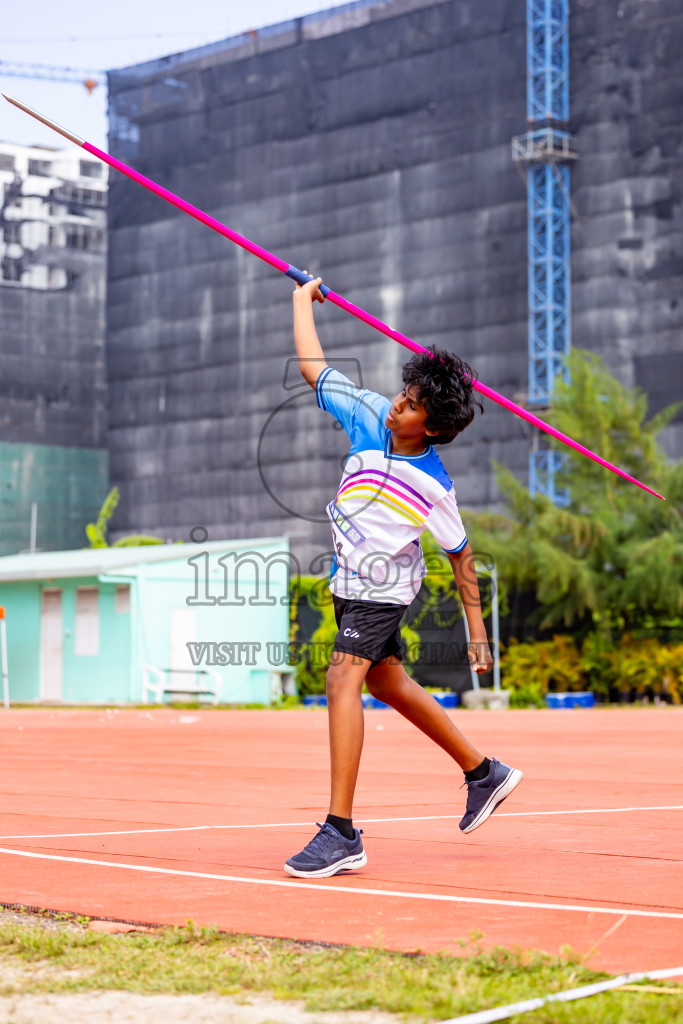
302	278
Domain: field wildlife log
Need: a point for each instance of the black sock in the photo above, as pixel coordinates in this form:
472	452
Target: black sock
480	772
343	825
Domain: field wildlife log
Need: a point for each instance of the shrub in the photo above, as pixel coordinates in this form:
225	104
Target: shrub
528	695
648	667
532	670
640	667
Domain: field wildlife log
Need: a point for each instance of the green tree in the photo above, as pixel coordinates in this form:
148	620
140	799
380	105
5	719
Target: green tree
613	557
97	532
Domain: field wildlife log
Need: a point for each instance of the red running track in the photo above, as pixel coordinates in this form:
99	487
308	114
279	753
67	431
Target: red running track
144	816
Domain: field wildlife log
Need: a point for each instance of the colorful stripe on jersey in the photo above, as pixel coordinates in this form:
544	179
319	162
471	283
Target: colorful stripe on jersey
374	485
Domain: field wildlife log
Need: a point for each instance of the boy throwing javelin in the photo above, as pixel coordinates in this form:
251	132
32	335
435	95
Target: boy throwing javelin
393	487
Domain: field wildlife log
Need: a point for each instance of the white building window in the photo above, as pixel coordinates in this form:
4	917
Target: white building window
122	599
41	168
11	232
79	236
89	169
87	639
11	269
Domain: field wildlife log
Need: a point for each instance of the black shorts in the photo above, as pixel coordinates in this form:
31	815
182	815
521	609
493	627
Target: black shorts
368	629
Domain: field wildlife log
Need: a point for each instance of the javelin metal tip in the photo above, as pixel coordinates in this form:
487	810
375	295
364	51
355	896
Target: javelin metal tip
45	120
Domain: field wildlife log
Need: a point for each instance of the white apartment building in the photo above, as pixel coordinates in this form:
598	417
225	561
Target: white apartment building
53	211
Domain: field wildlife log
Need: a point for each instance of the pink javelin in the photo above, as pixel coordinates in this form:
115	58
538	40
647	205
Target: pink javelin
301	278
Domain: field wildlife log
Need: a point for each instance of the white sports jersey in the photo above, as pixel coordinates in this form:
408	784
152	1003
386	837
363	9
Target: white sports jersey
384	501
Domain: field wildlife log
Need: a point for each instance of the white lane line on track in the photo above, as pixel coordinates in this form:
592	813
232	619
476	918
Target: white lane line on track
359	821
435	897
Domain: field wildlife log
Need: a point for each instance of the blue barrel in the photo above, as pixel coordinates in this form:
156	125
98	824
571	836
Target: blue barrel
569	700
447	700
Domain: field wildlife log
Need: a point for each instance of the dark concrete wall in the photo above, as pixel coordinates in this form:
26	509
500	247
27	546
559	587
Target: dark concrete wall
52	361
627	240
371	145
377	155
53	403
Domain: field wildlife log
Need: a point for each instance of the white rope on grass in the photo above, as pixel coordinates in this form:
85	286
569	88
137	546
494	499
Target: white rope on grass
504	1012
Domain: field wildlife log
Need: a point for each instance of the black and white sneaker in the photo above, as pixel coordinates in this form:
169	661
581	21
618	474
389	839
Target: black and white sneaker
484	796
328	853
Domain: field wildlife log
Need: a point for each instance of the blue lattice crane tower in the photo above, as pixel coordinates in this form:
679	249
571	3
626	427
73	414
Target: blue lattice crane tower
546	151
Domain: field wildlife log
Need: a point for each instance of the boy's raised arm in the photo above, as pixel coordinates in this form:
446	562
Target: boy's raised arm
308	347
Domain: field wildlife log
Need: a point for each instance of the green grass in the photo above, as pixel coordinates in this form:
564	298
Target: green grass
416	986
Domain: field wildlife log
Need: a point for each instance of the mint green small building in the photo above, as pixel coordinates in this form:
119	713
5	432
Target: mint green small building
149	624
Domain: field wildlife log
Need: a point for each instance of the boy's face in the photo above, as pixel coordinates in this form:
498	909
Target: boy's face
407	417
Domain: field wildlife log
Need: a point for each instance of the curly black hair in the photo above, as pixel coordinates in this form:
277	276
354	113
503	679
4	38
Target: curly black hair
442	383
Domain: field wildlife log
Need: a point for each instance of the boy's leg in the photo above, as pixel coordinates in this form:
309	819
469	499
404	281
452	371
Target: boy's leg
345	714
390	683
331	851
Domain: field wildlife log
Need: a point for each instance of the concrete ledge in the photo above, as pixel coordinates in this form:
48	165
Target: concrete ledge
494	700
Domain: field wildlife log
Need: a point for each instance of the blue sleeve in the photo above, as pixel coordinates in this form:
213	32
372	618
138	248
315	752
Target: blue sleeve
360	412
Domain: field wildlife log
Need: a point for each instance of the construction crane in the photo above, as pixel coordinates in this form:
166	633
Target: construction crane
546	151
88	77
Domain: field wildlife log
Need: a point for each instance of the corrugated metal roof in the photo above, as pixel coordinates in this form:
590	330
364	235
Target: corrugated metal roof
53	565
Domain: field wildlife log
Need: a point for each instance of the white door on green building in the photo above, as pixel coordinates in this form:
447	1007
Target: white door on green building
51	644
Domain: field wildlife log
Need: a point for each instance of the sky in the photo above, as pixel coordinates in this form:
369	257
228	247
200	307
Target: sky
102	36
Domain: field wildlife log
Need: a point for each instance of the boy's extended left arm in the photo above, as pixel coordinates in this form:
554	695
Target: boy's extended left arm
479	652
